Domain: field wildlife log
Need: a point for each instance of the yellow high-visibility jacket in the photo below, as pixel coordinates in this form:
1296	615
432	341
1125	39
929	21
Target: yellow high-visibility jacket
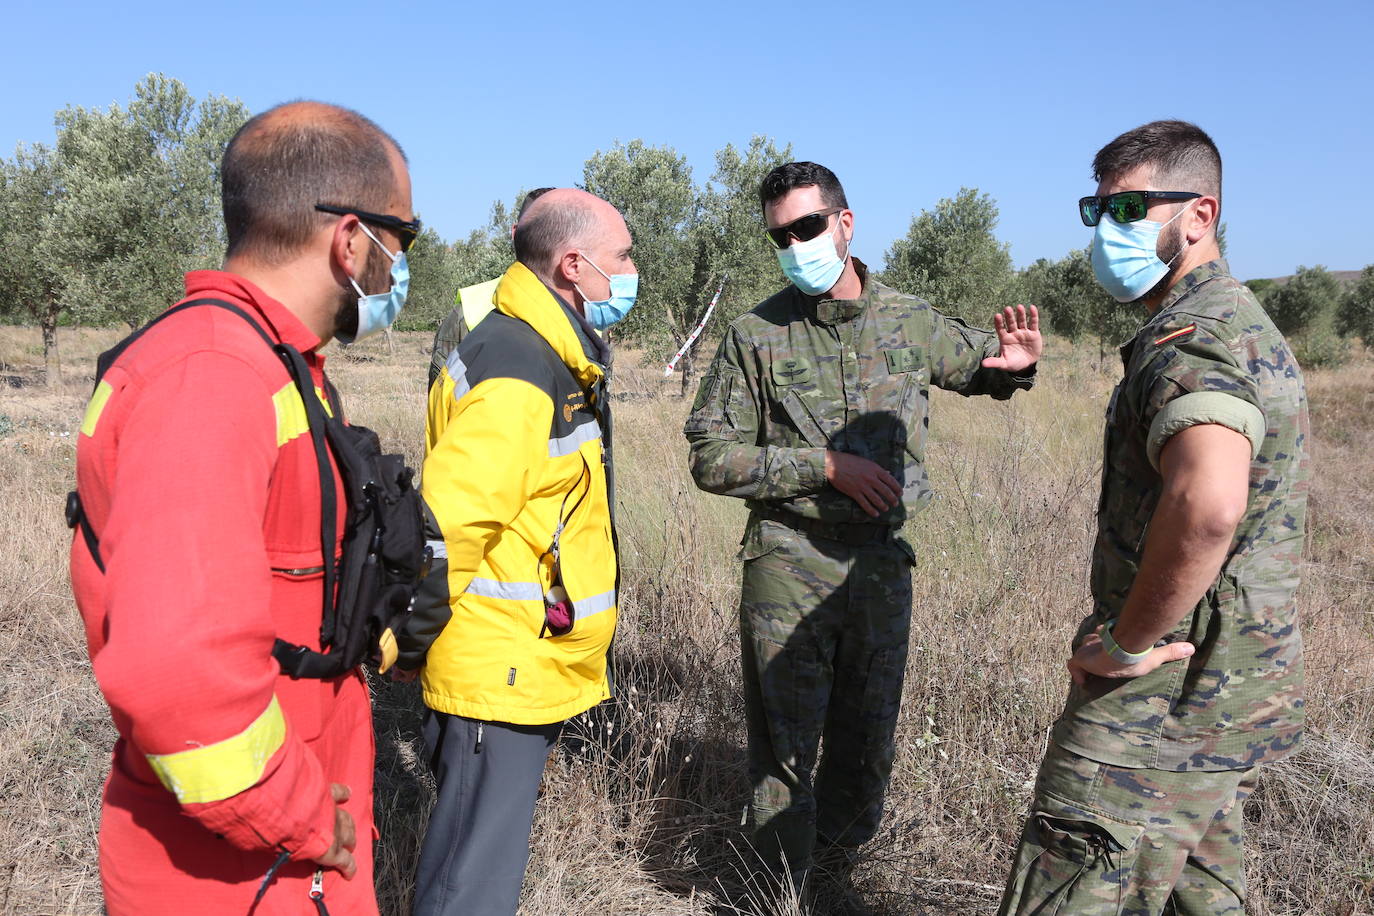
514	448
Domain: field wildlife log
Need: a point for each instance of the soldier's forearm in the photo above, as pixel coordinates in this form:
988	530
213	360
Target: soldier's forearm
1206	471
1183	553
757	472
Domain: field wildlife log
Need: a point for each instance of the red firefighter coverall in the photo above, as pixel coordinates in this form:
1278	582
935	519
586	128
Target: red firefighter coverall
197	472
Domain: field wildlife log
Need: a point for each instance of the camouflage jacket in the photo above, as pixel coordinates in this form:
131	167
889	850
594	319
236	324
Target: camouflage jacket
1209	355
797	376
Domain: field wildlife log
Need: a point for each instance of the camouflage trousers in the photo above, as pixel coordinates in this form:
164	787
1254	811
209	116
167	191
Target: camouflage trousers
1104	839
823	630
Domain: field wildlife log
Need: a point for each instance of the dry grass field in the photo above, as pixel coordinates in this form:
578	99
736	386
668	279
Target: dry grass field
641	807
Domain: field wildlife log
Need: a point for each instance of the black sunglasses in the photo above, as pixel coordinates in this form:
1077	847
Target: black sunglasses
408	230
803	229
1125	206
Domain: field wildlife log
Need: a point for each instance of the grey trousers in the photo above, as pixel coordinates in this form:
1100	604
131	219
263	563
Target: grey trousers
487	774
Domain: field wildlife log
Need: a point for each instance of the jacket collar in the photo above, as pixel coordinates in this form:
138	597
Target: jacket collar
219	284
837	311
1192	280
524	296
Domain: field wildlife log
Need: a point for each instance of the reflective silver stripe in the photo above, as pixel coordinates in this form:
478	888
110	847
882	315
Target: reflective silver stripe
593	605
438	549
570	443
459	373
505	591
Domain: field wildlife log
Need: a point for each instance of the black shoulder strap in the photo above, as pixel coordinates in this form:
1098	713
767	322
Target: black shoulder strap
107	359
314	412
75	512
317	421
297	661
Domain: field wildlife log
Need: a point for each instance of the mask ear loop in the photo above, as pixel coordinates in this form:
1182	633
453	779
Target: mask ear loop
394	257
848	243
1186	243
585	297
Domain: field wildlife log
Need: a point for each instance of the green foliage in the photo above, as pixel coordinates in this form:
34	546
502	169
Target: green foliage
687	237
730	236
1321	347
101	227
433	282
139	199
652	188
1073	304
439	269
1356	315
1260	287
1308	301
1305	309
951	258
29	286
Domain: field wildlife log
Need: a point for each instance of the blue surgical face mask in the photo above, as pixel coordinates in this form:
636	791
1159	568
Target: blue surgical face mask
602	313
378	311
1125	256
814	265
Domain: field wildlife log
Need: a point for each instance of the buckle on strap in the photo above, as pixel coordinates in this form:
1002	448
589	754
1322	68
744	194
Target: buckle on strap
73	511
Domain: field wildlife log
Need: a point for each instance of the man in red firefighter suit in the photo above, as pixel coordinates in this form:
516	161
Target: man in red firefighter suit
197	474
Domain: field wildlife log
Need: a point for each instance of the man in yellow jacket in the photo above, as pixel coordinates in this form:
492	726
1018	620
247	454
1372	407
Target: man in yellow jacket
514	622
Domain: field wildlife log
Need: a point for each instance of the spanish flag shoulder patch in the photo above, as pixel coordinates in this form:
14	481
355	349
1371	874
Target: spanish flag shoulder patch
1175	335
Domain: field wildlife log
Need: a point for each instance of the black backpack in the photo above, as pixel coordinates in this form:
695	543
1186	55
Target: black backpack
369	594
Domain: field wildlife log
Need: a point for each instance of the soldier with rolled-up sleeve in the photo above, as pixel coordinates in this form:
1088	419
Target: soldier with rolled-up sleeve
1187	676
815	412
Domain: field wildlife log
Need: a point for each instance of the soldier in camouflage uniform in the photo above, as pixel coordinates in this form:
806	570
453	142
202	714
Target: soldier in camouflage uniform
815	412
1187	677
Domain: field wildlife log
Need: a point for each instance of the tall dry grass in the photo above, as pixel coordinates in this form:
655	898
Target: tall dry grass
642	804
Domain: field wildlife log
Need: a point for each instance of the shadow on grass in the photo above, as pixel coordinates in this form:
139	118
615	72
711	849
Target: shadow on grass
403	791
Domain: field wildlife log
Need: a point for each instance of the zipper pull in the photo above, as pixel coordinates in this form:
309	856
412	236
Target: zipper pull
317	892
478	748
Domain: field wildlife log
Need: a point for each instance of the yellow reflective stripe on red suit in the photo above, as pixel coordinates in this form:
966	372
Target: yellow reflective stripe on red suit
95	407
214	772
291	419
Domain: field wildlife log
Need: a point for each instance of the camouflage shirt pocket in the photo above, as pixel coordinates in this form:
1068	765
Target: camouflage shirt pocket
808	427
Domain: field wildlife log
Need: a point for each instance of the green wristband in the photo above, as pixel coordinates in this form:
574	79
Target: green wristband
1119	654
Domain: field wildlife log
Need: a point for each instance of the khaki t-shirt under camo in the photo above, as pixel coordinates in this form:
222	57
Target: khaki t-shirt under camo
1209	355
798	375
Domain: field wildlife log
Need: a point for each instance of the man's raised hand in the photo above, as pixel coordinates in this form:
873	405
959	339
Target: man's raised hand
1018	331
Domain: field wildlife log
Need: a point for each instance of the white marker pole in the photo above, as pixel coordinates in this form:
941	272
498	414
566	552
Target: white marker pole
696	332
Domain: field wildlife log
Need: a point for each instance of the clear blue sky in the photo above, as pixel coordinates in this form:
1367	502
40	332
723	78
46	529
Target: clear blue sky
906	101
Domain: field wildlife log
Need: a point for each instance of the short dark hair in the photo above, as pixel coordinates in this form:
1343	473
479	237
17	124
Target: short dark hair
528	199
802	175
283	162
551	229
1178	154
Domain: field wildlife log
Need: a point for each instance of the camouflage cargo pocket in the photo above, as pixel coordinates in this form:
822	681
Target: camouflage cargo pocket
878	714
795	687
1080	865
762	537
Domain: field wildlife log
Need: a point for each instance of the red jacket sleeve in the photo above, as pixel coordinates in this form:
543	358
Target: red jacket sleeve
187	661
